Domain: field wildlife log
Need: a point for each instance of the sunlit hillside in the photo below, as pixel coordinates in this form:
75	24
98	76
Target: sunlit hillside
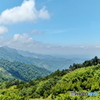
58	85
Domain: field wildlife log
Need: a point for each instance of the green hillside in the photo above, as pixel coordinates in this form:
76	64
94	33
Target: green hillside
80	80
20	71
4	75
58	85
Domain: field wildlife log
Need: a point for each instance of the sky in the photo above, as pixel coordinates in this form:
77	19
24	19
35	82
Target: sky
56	27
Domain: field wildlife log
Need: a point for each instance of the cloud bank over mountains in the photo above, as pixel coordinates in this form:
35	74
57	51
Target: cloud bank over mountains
25	42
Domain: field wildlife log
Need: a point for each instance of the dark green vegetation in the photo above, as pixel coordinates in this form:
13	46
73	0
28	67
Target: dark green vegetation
22	71
44	61
58	85
5	75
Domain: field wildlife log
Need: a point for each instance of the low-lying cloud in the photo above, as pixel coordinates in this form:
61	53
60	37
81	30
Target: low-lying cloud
27	43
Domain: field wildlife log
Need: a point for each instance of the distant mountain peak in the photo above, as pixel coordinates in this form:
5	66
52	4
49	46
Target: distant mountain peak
9	49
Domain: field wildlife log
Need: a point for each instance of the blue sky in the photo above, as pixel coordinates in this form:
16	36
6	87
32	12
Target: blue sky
61	27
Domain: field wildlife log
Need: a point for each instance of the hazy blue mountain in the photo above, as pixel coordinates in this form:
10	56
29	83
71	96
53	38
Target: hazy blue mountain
11	54
33	55
53	62
45	61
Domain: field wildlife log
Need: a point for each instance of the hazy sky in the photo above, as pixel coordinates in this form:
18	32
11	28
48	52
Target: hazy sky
51	26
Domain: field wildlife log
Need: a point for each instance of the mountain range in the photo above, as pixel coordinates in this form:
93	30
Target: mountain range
48	62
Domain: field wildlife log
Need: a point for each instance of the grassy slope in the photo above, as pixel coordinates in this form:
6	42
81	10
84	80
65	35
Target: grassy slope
80	80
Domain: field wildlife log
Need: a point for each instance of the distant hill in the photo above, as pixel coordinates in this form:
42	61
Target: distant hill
44	61
33	55
11	55
21	71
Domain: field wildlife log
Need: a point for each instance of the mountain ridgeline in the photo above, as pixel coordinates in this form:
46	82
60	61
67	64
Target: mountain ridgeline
44	61
58	85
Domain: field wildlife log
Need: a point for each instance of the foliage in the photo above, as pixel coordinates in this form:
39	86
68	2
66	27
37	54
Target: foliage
87	63
4	75
23	71
57	85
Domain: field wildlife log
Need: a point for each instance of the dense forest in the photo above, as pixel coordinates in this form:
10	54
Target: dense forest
21	71
58	85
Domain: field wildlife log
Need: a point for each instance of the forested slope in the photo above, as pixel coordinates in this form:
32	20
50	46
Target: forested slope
22	71
58	85
4	75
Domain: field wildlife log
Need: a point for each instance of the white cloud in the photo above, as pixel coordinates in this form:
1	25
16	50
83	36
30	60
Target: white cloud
26	12
3	29
43	13
24	42
21	39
